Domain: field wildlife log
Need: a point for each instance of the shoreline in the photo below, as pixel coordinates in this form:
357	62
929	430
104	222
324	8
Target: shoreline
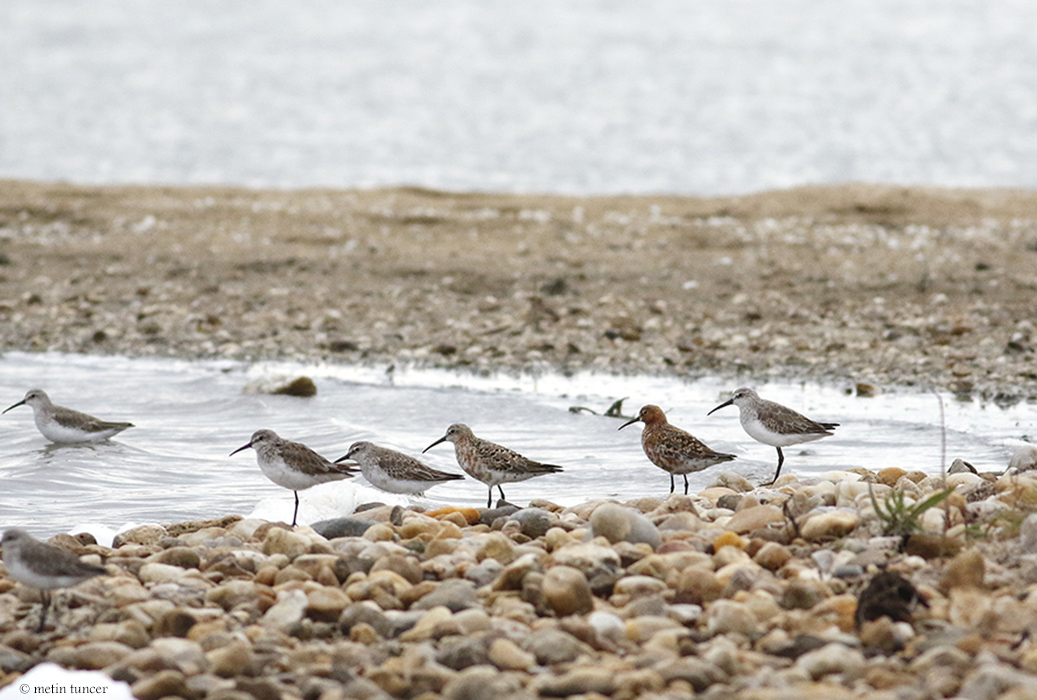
879	285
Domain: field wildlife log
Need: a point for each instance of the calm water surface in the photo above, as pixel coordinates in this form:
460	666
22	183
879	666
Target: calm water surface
189	416
713	96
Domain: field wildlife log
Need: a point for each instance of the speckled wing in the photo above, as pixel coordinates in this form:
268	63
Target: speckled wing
82	421
678	451
783	420
501	459
405	468
310	463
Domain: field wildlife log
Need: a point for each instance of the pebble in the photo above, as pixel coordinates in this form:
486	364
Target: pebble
555	602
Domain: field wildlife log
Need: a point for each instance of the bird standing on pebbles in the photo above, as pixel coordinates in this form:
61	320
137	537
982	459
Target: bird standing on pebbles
293	465
489	462
672	449
774	424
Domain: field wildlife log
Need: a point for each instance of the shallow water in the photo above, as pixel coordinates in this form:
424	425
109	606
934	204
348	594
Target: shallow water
189	416
715	96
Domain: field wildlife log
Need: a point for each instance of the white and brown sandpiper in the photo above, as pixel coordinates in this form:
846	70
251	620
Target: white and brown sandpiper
293	465
394	471
60	424
774	424
489	462
672	449
43	566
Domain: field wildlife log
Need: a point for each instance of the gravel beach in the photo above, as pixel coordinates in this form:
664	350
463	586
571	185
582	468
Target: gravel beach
860	284
881	584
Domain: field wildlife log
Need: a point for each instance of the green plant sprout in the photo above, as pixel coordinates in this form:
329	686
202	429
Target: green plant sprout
901	518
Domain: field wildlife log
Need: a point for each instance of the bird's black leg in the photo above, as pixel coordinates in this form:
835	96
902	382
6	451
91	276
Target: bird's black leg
45	595
685	484
672	486
501	489
295	515
781	459
489	498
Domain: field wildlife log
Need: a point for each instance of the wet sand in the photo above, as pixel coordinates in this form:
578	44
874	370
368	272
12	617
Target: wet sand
858	284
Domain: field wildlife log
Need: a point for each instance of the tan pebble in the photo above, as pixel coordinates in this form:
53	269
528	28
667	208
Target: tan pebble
163	684
556	538
286	612
566	591
482	683
184	557
578	681
631	587
90	656
682	522
422	631
325	604
772	556
837	610
890	475
380	533
290	573
407	567
232	660
132	633
185	654
267	574
437	548
968	569
761	602
633	684
143	534
508	656
497	547
281	541
885	635
364	633
754	518
833	659
620	524
418	526
971	608
829	525
697	585
641	629
232	594
449	530
728	616
123	592
661	565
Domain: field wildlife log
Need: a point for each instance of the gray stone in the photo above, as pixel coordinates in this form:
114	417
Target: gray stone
535	522
619	524
553	646
455	593
342	527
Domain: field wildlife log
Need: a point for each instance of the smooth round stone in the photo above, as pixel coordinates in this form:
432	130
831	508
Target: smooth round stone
553	646
184	557
966	570
641	629
534	522
157	573
186	654
163	684
231	660
607	627
142	534
454	594
342	527
728	616
755	518
326	603
566	591
131	632
578	681
698	585
281	541
509	656
599	564
831	659
289	609
772	556
91	656
829	525
619	524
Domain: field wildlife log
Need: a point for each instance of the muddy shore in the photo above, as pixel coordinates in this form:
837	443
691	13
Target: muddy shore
876	284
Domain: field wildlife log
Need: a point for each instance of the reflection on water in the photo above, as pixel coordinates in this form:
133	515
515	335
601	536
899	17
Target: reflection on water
174	464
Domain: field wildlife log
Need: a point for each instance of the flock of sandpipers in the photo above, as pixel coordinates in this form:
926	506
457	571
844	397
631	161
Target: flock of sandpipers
295	466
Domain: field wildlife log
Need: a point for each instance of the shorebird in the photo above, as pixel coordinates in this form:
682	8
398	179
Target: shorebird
293	465
672	449
774	424
60	424
394	471
489	462
43	566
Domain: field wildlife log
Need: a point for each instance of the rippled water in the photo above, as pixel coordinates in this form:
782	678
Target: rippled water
576	96
189	416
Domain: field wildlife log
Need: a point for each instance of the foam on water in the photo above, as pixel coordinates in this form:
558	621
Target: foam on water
175	464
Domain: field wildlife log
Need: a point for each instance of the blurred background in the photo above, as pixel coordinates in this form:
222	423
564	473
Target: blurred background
582	96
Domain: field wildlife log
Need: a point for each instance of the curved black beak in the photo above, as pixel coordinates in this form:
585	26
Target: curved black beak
243	447
729	402
442	439
629	422
20	403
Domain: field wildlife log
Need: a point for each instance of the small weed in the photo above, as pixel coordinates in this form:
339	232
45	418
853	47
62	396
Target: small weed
901	518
